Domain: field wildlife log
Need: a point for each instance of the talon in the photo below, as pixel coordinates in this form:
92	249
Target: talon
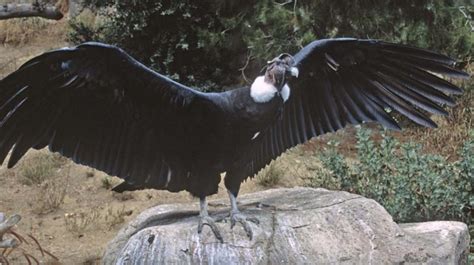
236	216
244	221
207	220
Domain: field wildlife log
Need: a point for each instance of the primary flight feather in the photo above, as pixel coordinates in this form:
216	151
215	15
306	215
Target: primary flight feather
100	107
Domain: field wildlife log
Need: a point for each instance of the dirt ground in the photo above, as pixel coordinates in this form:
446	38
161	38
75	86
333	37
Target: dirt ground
64	231
72	212
91	214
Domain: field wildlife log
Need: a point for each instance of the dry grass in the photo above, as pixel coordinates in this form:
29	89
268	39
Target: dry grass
48	171
114	217
78	223
20	31
270	176
95	218
452	130
51	195
39	166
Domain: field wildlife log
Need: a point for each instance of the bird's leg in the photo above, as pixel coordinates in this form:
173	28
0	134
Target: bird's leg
237	216
205	219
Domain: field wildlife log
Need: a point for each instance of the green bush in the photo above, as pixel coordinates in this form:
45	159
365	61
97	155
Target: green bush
411	185
214	44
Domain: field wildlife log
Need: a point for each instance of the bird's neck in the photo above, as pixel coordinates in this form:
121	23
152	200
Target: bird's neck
262	91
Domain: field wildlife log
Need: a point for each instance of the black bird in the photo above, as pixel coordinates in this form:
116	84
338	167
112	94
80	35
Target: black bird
98	106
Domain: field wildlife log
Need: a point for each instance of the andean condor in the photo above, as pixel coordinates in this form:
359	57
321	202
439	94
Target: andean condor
100	107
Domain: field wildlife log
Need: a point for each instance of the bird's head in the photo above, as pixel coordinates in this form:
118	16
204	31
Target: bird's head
280	70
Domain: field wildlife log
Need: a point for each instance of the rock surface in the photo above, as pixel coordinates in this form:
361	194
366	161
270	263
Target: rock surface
297	226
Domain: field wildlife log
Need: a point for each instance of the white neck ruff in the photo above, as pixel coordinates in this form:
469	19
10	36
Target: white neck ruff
262	92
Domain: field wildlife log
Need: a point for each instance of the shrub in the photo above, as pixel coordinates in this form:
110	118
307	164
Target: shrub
411	185
107	182
337	167
47	171
270	176
38	167
114	217
51	195
78	223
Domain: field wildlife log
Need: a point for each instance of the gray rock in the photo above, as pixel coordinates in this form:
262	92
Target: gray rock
297	226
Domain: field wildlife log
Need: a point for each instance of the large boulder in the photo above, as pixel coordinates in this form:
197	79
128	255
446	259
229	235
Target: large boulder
297	226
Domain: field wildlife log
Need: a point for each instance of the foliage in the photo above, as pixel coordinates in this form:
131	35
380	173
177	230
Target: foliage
411	185
337	165
179	38
270	176
207	43
107	182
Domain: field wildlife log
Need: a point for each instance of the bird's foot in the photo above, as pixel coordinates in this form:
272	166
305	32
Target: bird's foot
244	221
207	220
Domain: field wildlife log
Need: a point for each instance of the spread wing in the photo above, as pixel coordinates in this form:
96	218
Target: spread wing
100	107
350	81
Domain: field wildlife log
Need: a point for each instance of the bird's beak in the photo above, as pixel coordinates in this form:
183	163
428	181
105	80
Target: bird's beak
294	71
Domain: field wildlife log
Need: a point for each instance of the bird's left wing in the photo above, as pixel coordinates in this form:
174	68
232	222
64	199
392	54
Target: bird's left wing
350	81
97	105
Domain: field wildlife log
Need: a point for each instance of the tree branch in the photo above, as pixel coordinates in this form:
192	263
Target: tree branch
30	10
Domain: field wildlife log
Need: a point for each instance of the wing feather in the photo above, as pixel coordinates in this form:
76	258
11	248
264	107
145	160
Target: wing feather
349	81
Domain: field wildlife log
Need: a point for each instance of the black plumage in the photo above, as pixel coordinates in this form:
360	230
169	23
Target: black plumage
98	106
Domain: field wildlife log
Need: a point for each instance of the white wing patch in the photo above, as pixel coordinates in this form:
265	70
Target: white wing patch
168	177
285	93
255	135
261	91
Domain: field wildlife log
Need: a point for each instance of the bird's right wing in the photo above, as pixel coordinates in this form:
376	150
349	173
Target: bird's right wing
97	105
